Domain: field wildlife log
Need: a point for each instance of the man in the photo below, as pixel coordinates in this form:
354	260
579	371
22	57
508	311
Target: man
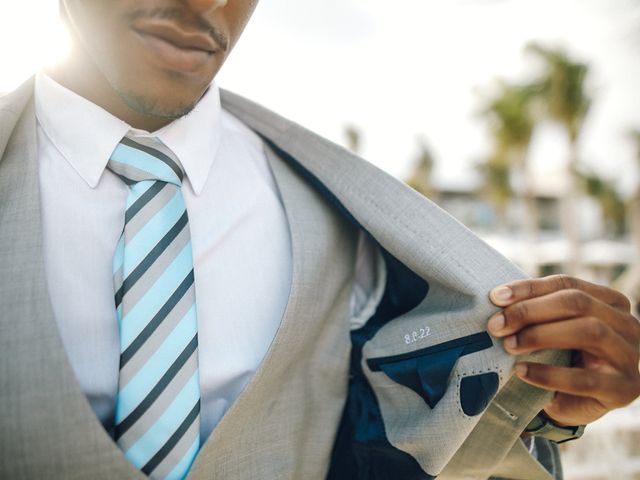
240	250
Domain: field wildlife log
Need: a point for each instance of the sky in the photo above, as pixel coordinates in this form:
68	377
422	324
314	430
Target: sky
406	70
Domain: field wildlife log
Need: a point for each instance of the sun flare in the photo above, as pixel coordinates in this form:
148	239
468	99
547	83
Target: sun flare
35	36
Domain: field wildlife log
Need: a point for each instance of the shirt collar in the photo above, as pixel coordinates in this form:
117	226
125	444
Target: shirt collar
86	135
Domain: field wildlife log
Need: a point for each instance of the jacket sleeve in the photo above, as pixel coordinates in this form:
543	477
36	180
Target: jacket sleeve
547	454
529	459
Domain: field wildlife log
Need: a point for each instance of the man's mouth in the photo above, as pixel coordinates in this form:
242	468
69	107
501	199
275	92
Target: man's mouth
174	47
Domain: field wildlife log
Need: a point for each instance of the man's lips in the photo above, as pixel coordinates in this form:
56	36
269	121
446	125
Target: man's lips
174	47
174	34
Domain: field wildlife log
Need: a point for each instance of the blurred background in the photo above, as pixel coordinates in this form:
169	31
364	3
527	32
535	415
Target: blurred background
519	117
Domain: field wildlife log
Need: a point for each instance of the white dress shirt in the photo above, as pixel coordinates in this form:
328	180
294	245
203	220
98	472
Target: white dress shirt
239	232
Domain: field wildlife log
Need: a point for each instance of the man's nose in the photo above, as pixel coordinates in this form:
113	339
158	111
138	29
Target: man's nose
201	6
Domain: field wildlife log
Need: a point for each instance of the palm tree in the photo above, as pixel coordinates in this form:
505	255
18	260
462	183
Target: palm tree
562	87
630	283
633	205
635	137
353	137
495	172
421	176
511	123
611	204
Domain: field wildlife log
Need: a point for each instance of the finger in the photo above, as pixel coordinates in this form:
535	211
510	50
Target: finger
523	289
587	334
571	410
559	305
611	390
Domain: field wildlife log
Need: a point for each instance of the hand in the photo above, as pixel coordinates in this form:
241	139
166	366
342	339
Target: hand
561	312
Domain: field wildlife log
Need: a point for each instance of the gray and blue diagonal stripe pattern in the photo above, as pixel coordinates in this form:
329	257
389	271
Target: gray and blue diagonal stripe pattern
158	404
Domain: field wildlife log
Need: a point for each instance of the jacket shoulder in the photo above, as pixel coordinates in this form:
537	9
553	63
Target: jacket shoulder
12	106
13	103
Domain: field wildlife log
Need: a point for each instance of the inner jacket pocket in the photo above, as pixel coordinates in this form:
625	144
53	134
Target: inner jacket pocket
426	371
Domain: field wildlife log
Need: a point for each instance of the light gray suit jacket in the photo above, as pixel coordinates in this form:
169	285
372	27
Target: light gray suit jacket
325	402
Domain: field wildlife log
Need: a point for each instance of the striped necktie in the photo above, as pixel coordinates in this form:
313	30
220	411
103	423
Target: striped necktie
158	403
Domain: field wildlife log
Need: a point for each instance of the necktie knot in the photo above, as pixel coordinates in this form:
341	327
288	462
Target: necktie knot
136	159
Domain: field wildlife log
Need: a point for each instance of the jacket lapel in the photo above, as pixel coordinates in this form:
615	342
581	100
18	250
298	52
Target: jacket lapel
248	427
39	391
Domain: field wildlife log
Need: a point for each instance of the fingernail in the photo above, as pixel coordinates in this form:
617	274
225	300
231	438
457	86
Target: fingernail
521	370
496	323
511	342
502	293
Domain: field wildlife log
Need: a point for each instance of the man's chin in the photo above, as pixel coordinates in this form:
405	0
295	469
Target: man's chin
158	107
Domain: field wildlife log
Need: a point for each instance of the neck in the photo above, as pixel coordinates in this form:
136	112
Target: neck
80	75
